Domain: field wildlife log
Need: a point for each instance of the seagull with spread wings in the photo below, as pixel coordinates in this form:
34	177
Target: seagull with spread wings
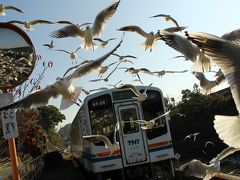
73	55
113	147
50	46
96	30
28	24
103	43
63	86
151	123
167	18
120	58
200	170
194	136
140	96
188	49
3	8
207	85
103	69
163	72
225	54
150	41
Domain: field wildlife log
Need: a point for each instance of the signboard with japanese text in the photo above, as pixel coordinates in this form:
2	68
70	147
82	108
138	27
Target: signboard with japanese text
8	117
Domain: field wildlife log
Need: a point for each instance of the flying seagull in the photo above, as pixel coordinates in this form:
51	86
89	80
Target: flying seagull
225	54
200	170
50	46
62	86
98	138
151	123
140	96
150	37
174	29
103	69
103	42
106	78
113	147
123	57
28	24
188	49
96	30
3	8
163	72
73	55
167	18
206	84
194	136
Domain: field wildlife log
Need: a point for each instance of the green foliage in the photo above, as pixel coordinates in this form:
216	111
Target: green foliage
50	116
55	138
195	113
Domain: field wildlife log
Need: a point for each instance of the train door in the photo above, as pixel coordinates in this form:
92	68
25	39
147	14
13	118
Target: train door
132	138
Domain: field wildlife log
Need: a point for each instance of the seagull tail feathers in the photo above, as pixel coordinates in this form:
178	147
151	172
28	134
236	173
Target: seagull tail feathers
86	47
67	102
227	128
145	46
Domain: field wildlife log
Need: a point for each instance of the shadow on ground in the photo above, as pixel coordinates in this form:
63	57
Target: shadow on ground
56	168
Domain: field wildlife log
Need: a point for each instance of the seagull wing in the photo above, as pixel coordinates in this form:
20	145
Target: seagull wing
140	121
130	86
179	43
176	71
145	70
232	36
175	29
62	50
41	22
92	138
130	56
13	8
225	54
136	29
15	21
188	49
98	138
91	65
35	99
68	31
103	17
98	39
226	152
116	54
77	49
111	39
167	17
194	168
64	22
162	115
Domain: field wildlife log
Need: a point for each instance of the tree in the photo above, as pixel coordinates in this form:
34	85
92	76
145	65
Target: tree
50	116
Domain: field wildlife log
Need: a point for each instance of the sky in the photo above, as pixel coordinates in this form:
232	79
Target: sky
10	39
211	16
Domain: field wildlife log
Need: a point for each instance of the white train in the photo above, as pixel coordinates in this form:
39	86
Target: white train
143	153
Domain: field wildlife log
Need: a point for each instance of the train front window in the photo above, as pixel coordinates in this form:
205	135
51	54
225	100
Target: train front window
129	116
153	107
101	116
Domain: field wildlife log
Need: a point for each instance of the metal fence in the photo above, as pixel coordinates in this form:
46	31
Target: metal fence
31	170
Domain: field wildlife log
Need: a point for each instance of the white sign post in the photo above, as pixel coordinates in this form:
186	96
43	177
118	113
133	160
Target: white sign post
8	117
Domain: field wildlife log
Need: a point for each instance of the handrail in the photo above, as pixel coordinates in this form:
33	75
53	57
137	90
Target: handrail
30	170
